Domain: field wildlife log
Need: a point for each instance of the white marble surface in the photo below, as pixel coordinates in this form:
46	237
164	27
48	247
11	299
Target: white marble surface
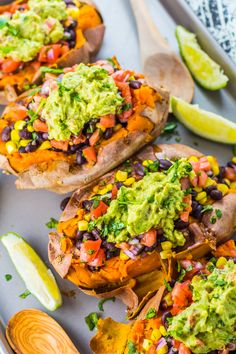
26	212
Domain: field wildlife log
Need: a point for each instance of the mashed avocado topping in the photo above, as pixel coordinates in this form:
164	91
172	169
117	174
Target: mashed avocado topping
209	323
23	35
87	93
155	201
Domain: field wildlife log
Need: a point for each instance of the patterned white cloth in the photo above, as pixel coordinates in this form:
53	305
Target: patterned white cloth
219	17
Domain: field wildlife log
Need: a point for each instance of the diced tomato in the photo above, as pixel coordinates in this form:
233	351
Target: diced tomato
149	238
108	121
94	138
50	54
183	349
122	75
228	249
152	349
205	164
89	250
99	210
9	66
17	113
181	297
61	145
188	200
195	165
202	178
230	173
64	49
194	181
40	126
114	192
184	216
90	154
99	260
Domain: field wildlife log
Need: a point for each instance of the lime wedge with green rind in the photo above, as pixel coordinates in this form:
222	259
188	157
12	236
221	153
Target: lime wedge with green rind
206	124
205	70
38	279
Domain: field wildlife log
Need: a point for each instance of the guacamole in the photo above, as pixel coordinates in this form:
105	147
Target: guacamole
209	323
154	201
27	32
87	93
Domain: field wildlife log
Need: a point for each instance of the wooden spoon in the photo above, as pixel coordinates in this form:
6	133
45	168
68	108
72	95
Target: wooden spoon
34	332
160	65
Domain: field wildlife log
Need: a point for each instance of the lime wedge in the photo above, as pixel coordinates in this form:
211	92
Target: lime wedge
38	279
206	124
205	71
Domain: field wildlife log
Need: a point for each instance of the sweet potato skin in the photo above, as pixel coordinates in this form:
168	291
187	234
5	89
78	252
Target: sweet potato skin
61	176
94	38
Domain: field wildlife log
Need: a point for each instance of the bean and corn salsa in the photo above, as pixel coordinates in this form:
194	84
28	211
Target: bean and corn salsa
205	183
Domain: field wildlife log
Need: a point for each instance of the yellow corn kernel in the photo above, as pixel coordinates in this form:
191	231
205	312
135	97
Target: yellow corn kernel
87	217
203	201
95	189
30	128
121	176
73	12
45	145
15	136
123	256
223	188
168	299
166	245
209	182
233	185
197	189
99	126
11	147
147	343
83	225
201	195
146	163
19	125
117	127
193	158
234	159
107	189
156	334
214	164
227	181
221	262
24	142
129	181
163	350
165	254
163	330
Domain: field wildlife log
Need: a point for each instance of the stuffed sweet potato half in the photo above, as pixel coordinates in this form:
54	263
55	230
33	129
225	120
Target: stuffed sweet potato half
195	314
165	201
41	33
78	125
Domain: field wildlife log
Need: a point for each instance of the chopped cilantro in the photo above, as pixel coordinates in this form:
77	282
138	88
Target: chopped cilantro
151	313
207	208
52	223
126	107
33	92
25	294
131	347
45	69
33	115
102	301
169	127
91	320
92	225
167	285
8	277
218	213
90	252
96	203
213	220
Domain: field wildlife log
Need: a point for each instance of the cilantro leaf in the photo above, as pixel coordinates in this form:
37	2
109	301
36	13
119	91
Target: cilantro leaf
52	223
102	301
92	320
218	213
151	313
8	277
25	294
207	208
169	127
45	69
167	285
131	347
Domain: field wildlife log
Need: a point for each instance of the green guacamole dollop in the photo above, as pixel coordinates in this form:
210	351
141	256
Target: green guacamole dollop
154	201
22	36
209	323
87	93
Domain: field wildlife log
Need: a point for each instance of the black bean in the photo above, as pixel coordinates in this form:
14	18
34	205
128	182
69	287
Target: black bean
163	306
39	138
216	194
6	134
74	148
209	189
64	203
165	164
78	244
79	235
72	34
22	150
180	224
119	184
108	133
194	193
135	84
231	164
80	159
73	24
197	212
139	169
113	253
221	173
87	204
164	317
194	205
67	35
93	269
87	236
31	147
96	233
69	2
25	134
71	44
150	249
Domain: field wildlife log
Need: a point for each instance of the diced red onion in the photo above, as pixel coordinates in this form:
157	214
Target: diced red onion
50	55
129	254
45	90
161	343
134	241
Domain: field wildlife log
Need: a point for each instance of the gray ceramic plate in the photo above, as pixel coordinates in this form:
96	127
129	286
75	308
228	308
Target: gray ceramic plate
26	212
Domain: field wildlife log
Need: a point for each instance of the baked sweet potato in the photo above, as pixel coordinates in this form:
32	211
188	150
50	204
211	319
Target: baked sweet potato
84	248
189	318
83	36
91	134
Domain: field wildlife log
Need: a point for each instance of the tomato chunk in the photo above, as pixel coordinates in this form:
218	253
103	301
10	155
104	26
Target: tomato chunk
98	261
40	126
181	297
149	238
183	349
90	154
9	66
99	210
89	250
108	121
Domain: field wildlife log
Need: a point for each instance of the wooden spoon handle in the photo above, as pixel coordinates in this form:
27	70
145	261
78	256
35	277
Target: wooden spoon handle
151	41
